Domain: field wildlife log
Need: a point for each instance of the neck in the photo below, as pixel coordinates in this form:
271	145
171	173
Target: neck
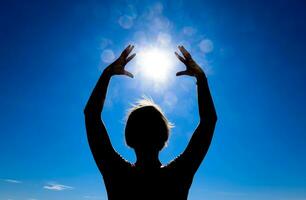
147	159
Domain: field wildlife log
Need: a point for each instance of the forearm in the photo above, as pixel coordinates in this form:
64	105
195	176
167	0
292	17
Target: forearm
97	97
98	139
201	138
206	106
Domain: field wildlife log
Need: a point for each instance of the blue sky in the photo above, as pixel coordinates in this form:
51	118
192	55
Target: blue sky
52	54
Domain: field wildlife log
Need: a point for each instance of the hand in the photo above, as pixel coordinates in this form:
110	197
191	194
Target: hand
192	68
117	67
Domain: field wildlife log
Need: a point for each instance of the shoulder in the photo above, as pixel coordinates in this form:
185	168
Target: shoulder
180	166
116	164
173	164
178	172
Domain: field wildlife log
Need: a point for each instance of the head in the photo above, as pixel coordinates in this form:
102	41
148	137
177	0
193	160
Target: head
147	128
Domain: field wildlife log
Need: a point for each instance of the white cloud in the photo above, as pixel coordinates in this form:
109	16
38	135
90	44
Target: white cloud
12	181
108	56
189	31
57	187
206	45
126	21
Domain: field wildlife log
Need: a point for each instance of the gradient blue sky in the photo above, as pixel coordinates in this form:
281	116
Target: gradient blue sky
52	54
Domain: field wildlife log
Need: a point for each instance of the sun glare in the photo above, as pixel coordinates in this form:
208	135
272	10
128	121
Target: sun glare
155	63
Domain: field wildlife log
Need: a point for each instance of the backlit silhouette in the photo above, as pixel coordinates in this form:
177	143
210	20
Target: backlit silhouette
147	131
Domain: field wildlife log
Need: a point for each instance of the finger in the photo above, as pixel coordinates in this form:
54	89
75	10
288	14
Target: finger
130	50
184	52
129	74
124	52
182	73
130	58
180	57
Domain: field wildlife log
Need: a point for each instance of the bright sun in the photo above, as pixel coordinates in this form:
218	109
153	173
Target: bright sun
155	63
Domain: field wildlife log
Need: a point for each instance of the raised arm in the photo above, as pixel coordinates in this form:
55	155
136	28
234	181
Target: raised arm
200	141
98	139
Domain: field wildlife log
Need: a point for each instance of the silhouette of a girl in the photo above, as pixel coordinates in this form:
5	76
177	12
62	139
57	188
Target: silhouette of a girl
147	131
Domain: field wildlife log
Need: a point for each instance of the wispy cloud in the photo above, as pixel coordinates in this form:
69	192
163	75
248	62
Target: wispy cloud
11	181
57	187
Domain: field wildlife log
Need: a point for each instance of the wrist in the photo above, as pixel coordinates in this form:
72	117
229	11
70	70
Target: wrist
201	79
200	76
107	72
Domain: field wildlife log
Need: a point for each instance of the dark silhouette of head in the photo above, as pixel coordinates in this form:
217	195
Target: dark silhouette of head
147	128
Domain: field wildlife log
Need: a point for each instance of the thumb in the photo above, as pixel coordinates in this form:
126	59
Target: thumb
182	73
129	74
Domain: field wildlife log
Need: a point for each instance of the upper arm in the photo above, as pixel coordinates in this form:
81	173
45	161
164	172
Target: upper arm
99	142
190	160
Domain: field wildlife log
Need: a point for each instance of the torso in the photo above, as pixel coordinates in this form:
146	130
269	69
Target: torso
126	181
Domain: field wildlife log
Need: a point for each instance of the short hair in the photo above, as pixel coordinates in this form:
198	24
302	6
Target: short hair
147	126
